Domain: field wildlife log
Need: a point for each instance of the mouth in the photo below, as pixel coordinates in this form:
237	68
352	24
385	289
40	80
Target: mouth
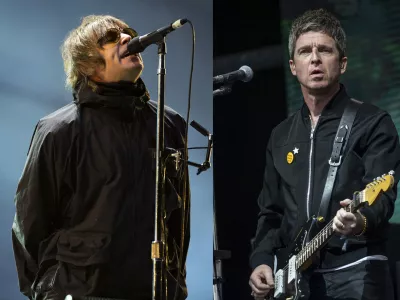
126	54
316	72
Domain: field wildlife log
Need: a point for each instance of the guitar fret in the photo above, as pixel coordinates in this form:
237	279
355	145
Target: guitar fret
317	241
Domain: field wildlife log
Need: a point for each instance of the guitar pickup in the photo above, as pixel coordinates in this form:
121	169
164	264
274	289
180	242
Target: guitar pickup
292	270
279	284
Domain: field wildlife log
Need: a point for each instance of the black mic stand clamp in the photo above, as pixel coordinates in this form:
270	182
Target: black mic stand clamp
175	156
207	162
223	90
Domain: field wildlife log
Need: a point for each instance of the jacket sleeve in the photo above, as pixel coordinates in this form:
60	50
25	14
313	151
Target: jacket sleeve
270	217
382	154
34	200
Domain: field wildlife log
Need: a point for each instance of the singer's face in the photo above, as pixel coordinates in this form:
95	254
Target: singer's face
116	68
316	62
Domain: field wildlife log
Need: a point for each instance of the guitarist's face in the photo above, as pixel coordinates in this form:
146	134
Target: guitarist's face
316	61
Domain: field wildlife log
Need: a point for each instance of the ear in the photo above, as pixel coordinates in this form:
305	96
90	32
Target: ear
343	65
292	67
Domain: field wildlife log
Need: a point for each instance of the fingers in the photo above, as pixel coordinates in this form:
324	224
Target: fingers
341	226
258	283
344	222
256	292
345	202
269	279
346	217
257	297
261	281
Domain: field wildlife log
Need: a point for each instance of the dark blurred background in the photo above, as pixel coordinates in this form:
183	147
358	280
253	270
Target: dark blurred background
255	34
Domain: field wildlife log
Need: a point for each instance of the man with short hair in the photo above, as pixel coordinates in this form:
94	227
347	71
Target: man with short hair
297	164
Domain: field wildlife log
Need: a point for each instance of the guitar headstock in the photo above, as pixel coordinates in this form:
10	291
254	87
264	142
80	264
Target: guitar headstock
377	186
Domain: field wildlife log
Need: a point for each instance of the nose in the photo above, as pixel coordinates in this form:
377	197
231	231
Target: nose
125	38
315	58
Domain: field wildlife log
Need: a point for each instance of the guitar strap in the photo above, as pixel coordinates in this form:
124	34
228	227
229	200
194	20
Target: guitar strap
339	145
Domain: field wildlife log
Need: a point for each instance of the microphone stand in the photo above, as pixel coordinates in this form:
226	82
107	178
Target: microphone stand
219	255
158	245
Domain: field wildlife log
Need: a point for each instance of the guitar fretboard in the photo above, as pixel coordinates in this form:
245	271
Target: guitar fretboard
322	237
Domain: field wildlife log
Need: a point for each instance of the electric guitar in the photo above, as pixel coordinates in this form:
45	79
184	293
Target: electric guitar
294	262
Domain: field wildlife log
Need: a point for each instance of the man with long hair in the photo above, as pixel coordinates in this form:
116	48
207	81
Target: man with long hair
84	222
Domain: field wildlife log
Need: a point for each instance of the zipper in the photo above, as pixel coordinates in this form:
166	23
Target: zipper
310	165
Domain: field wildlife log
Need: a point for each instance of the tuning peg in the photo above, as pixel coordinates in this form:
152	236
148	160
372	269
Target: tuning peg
391	172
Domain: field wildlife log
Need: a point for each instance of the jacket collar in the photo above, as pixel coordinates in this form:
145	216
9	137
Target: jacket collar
121	94
334	108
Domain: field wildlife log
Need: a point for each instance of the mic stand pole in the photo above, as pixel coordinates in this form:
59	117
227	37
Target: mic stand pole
219	255
217	288
158	245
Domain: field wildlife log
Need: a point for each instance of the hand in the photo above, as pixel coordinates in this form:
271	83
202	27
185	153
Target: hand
347	223
261	281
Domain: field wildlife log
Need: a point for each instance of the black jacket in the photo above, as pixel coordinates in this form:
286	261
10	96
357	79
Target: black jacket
372	150
84	219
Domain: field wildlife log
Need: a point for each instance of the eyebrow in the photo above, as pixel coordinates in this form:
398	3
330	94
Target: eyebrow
319	46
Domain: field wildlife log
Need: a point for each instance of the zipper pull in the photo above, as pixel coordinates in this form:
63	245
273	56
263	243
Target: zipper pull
312	128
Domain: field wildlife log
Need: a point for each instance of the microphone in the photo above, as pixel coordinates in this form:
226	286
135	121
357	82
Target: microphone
139	43
244	74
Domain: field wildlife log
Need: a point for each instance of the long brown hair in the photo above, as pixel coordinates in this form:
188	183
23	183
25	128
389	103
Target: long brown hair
79	49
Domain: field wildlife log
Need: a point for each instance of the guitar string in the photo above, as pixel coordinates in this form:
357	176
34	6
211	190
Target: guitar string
323	231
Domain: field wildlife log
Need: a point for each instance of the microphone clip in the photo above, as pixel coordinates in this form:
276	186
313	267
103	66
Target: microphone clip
207	163
223	90
177	156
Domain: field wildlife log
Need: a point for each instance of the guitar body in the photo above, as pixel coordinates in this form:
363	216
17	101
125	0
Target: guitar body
298	289
295	263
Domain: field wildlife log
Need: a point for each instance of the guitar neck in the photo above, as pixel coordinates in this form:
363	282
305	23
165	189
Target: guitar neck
325	234
314	245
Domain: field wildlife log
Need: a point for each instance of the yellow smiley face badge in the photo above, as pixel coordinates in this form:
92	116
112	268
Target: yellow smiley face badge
290	157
